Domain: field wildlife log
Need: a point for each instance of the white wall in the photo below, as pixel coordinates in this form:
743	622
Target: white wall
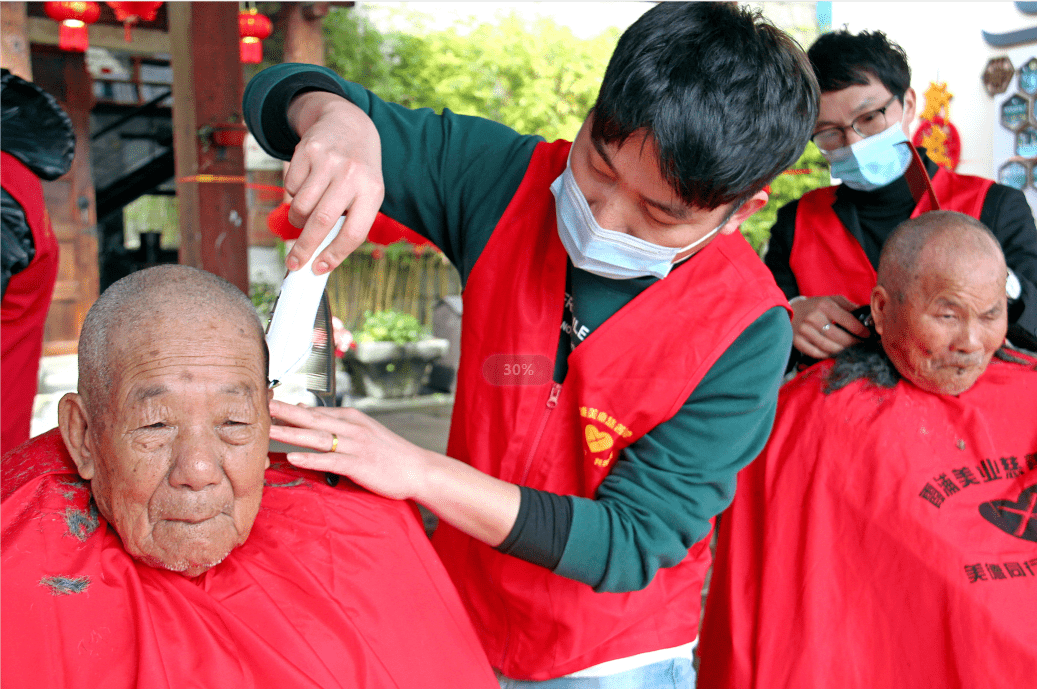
944	42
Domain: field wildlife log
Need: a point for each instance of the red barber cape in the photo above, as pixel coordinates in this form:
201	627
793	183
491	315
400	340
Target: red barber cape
884	538
335	587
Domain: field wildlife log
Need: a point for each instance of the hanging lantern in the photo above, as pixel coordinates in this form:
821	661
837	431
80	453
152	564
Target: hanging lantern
253	27
129	13
74	16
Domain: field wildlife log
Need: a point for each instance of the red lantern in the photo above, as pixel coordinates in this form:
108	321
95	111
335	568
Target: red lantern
229	135
253	27
74	16
129	13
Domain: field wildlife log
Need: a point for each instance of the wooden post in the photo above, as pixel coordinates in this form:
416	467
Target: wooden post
303	39
207	92
304	36
14	45
70	201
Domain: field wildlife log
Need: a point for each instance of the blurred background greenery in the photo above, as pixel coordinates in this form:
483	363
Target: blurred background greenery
523	69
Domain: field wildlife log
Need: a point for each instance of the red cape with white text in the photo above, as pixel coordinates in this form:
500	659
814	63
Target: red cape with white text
884	538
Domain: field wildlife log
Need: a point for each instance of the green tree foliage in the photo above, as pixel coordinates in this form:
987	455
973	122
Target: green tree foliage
809	172
355	49
532	75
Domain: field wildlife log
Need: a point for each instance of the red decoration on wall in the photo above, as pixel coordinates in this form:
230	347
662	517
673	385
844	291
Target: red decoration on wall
129	13
935	132
73	16
253	27
941	141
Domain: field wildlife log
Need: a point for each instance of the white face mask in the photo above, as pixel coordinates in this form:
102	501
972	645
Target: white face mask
874	162
608	253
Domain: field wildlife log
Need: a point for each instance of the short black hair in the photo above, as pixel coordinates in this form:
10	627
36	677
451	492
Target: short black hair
841	59
729	98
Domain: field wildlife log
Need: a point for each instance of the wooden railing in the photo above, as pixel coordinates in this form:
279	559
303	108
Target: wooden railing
398	277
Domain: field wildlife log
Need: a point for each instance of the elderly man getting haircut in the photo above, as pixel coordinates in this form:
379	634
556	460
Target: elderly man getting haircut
887	536
153	544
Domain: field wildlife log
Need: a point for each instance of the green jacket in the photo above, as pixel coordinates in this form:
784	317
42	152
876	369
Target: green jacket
449	177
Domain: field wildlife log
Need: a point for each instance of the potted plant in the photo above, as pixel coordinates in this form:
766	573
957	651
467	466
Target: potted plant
391	355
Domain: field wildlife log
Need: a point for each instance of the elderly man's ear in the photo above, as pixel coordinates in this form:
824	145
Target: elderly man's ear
74	423
879	305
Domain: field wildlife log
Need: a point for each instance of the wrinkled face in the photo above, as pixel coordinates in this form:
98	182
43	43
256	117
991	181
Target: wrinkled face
627	193
181	457
951	322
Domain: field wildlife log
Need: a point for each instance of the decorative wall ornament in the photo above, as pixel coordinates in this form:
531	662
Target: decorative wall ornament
936	133
998	75
1016	115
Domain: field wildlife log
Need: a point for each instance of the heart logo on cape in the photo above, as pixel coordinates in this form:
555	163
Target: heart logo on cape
596	440
1018	518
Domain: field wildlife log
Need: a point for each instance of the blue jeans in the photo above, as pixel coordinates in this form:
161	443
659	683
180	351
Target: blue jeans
675	673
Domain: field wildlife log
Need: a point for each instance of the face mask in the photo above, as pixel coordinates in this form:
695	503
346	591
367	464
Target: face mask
873	162
607	253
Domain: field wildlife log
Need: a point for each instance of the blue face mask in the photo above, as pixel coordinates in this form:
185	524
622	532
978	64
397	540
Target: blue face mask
873	162
608	253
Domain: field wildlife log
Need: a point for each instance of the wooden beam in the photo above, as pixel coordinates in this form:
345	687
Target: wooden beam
207	91
145	41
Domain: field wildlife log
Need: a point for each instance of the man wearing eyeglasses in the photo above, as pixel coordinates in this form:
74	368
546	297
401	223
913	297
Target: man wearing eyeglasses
824	247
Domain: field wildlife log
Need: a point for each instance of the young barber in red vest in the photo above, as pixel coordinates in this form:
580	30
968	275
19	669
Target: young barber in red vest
824	247
622	345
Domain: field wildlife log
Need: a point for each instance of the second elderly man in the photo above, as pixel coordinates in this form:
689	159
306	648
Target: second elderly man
886	536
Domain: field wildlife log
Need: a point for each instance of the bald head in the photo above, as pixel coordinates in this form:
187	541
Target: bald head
943	237
940	305
147	303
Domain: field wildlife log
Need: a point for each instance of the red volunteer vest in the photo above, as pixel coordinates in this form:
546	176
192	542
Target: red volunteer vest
334	587
826	259
511	421
24	309
884	538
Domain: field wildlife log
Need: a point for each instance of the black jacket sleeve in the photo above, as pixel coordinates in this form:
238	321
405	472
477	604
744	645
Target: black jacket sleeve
1007	214
779	249
16	246
37	132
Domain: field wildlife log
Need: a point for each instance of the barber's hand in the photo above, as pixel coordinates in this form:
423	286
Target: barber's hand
366	452
381	461
815	321
336	170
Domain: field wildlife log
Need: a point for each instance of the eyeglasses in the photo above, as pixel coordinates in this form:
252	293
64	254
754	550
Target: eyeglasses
868	124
